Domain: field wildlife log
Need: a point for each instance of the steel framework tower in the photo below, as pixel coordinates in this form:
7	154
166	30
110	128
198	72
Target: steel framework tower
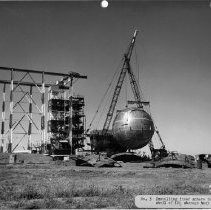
24	107
66	120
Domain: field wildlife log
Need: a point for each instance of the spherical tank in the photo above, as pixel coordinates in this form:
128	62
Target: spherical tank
133	128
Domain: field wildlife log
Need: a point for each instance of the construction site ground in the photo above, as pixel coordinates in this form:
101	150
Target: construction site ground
59	184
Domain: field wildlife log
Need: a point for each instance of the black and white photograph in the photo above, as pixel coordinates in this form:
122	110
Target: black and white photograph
105	104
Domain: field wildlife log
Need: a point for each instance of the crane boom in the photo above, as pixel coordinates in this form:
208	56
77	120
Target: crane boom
118	87
135	89
126	68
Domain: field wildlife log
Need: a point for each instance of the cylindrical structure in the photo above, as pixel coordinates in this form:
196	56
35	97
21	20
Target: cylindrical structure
43	114
11	114
30	121
71	115
3	119
133	128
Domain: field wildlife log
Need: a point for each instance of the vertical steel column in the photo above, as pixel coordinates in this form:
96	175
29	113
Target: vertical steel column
43	113
30	121
3	119
71	115
11	114
48	116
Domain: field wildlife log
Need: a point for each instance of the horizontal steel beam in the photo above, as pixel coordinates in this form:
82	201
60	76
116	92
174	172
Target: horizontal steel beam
24	83
45	72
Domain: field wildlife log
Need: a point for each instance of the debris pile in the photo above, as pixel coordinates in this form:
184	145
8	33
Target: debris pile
129	157
95	161
176	160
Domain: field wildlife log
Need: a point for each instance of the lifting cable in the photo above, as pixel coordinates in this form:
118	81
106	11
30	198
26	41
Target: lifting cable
103	98
103	111
98	122
156	129
126	97
137	66
148	107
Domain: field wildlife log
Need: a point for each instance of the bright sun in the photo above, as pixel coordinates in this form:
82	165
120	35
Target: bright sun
104	3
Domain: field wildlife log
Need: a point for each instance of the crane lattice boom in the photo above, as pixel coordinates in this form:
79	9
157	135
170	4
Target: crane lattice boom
125	69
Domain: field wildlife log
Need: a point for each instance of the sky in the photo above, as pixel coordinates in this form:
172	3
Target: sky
171	57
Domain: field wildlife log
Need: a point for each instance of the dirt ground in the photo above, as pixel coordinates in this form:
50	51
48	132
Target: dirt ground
62	185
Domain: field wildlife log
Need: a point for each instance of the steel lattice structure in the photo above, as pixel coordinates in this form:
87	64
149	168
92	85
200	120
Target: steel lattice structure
24	113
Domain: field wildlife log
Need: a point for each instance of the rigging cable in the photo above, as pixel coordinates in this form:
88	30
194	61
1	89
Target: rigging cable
137	64
98	121
103	98
126	90
156	128
138	67
148	106
104	107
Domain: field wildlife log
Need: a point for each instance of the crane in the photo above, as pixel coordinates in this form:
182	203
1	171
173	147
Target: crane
125	68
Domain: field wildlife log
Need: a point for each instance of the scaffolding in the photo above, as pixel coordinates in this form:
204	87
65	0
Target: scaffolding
66	121
24	104
78	122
